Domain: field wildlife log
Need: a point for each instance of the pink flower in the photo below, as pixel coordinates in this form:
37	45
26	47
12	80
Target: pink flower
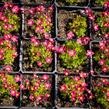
14	55
48	60
70	35
39	64
39	98
96	28
15	9
63	87
72	52
17	78
47	95
33	39
102	45
102	61
106	35
8	68
6	26
17	94
22	86
46	35
14	38
90	53
45	77
83	75
13	93
104	69
30	22
66	72
47	85
31	97
7	36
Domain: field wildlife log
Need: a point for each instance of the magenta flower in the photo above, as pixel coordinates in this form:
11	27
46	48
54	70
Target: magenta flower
22	86
17	78
13	93
7	36
15	9
45	77
66	72
72	52
39	64
8	68
63	87
30	22
70	35
48	60
47	85
31	97
90	53
14	38
96	27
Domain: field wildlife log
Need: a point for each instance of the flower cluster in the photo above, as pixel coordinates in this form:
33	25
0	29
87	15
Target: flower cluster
73	90
101	92
41	52
8	85
38	21
72	54
8	51
102	56
101	25
39	88
9	19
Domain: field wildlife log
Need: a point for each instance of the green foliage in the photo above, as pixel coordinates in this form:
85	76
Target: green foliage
72	1
39	54
5	92
100	93
13	20
76	61
78	26
100	2
8	53
72	86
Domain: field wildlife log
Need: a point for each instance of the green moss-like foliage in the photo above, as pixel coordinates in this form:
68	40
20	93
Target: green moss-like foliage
100	93
100	2
73	62
78	26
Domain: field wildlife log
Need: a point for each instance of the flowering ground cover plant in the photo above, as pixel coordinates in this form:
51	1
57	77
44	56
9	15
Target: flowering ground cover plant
101	93
72	55
37	90
9	90
37	1
73	91
101	25
38	55
9	19
71	24
9	53
99	2
38	21
72	2
101	57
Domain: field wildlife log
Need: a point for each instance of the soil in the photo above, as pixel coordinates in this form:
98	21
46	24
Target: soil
8	101
27	66
64	17
79	2
25	96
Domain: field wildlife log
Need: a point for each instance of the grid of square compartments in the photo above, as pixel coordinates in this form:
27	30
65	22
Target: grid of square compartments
62	13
